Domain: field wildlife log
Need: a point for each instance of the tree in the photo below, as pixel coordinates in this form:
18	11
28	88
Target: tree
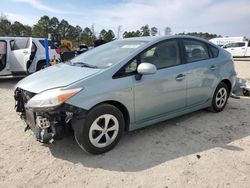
17	29
78	30
132	34
145	30
63	28
5	26
53	25
42	28
168	31
87	36
107	36
206	36
153	31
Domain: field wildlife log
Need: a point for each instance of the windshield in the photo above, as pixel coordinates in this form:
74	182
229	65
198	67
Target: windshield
108	54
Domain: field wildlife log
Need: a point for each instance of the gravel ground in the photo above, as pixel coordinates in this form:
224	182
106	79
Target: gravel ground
201	149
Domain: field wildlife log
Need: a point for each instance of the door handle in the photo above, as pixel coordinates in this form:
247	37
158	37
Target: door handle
243	48
25	52
180	77
212	68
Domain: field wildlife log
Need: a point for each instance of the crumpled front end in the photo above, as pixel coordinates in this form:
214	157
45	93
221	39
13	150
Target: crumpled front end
48	124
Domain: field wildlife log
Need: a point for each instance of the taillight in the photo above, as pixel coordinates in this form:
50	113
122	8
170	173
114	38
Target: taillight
58	51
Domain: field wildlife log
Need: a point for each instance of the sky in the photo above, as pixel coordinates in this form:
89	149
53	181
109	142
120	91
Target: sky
222	17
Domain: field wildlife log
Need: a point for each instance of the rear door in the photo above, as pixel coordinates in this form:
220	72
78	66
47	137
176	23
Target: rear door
20	54
237	48
201	71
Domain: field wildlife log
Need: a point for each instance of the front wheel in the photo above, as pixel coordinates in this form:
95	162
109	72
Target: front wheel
220	98
101	130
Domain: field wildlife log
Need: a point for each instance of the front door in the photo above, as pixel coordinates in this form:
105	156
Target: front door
20	54
164	91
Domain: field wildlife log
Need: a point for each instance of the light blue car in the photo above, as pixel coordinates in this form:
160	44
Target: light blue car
125	85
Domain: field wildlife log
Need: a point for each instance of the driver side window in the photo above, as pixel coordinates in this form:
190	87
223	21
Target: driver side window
162	55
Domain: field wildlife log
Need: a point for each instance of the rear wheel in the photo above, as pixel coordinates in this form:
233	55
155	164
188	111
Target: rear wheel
102	129
220	98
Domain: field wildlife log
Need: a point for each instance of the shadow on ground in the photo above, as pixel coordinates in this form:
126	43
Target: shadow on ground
149	147
8	83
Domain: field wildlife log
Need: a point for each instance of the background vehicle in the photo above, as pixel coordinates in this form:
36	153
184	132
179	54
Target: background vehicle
225	40
23	55
125	85
238	49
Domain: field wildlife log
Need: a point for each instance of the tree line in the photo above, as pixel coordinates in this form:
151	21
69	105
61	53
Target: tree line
77	34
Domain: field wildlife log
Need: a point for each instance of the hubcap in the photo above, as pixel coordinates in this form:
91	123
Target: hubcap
221	97
103	130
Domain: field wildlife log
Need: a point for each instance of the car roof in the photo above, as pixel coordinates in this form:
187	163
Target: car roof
160	38
11	38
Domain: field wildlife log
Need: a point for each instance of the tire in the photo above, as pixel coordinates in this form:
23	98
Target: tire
246	92
102	129
220	98
40	65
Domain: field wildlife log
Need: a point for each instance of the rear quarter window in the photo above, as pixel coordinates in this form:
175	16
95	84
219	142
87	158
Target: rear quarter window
50	43
214	51
195	50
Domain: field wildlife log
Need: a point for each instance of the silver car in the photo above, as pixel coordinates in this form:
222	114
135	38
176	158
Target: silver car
122	86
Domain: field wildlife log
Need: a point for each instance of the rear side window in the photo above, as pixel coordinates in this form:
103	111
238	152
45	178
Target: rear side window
195	50
214	51
19	44
50	43
241	44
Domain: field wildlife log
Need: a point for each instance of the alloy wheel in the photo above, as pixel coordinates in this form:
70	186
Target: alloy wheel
221	97
104	130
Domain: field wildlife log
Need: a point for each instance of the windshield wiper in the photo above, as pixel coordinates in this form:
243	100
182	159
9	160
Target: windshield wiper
82	64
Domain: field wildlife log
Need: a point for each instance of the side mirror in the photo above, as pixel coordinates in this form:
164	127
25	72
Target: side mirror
145	69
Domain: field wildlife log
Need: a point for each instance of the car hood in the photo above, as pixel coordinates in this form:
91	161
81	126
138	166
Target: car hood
59	75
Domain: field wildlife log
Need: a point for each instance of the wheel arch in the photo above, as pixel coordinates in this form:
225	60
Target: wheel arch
122	108
39	62
228	83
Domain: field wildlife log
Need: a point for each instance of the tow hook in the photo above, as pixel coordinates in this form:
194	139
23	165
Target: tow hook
46	137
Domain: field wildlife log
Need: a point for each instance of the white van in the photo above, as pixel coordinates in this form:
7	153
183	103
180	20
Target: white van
238	49
24	55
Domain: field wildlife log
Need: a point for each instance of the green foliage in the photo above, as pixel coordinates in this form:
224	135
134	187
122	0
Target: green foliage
132	34
145	30
206	36
107	36
76	34
5	26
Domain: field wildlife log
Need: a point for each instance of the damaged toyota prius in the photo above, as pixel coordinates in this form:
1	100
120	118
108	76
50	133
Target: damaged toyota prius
122	86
